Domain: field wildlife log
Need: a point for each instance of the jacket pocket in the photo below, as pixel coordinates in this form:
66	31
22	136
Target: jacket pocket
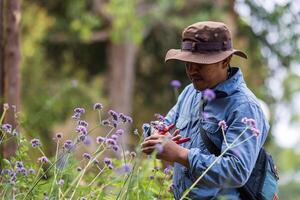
182	123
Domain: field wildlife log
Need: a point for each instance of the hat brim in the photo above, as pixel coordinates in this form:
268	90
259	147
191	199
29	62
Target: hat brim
201	58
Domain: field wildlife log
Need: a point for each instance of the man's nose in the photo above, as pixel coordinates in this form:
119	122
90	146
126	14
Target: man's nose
193	68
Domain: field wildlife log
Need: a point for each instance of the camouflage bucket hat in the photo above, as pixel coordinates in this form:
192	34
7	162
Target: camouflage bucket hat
205	43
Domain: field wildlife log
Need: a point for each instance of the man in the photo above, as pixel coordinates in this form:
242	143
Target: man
206	50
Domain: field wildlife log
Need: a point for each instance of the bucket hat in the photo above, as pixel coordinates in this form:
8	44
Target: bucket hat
205	43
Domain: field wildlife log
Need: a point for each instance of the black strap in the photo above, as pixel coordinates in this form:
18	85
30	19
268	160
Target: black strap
211	147
206	46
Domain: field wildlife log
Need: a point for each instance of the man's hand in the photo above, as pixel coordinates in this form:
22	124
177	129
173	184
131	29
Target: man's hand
170	151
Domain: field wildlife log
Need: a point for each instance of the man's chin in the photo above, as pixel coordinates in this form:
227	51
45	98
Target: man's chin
198	87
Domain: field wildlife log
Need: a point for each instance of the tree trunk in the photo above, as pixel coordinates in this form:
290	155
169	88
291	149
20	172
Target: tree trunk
121	62
12	64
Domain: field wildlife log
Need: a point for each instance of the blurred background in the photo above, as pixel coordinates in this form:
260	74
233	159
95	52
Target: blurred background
56	55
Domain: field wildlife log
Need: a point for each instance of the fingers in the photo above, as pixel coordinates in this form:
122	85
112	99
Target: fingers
176	132
148	150
177	137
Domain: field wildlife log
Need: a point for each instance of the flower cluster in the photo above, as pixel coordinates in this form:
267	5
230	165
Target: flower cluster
251	123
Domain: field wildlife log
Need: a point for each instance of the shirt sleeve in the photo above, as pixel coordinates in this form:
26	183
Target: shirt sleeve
235	166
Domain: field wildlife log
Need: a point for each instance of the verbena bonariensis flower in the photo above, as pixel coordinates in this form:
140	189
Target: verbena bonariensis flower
87	141
5	106
252	124
114	137
115	147
14	133
114	114
79	110
43	159
209	94
82	123
223	125
98	106
100	139
120	132
107	161
31	171
110	166
60	182
6	128
35	143
114	123
106	122
167	170
81	130
69	145
126	168
175	84
86	156
125	118
19	164
78	169
110	141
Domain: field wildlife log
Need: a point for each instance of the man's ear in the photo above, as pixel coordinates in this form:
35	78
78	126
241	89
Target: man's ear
226	61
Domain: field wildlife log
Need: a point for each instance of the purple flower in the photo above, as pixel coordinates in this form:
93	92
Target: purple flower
115	147
175	84
114	114
107	161
223	125
167	170
111	141
79	110
252	124
81	138
114	137
31	171
35	143
60	182
209	94
159	117
6	128
87	141
114	123
19	164
83	198
98	106
100	139
86	156
126	168
81	130
43	159
151	177
159	148
69	145
122	117
255	131
105	122
120	132
22	170
96	162
129	119
82	123
5	171
14	133
110	166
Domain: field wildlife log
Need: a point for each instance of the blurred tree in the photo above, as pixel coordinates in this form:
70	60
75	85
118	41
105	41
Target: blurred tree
11	62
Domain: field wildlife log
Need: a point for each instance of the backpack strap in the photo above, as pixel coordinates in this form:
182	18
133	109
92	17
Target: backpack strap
211	147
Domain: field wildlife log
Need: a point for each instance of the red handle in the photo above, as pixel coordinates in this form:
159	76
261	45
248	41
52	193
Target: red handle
183	140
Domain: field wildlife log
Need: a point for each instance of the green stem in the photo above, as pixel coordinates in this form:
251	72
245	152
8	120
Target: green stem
55	171
97	176
2	116
50	167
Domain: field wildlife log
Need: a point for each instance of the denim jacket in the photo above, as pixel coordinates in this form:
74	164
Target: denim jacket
235	166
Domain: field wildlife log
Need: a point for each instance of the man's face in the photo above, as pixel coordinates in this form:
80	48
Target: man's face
205	76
